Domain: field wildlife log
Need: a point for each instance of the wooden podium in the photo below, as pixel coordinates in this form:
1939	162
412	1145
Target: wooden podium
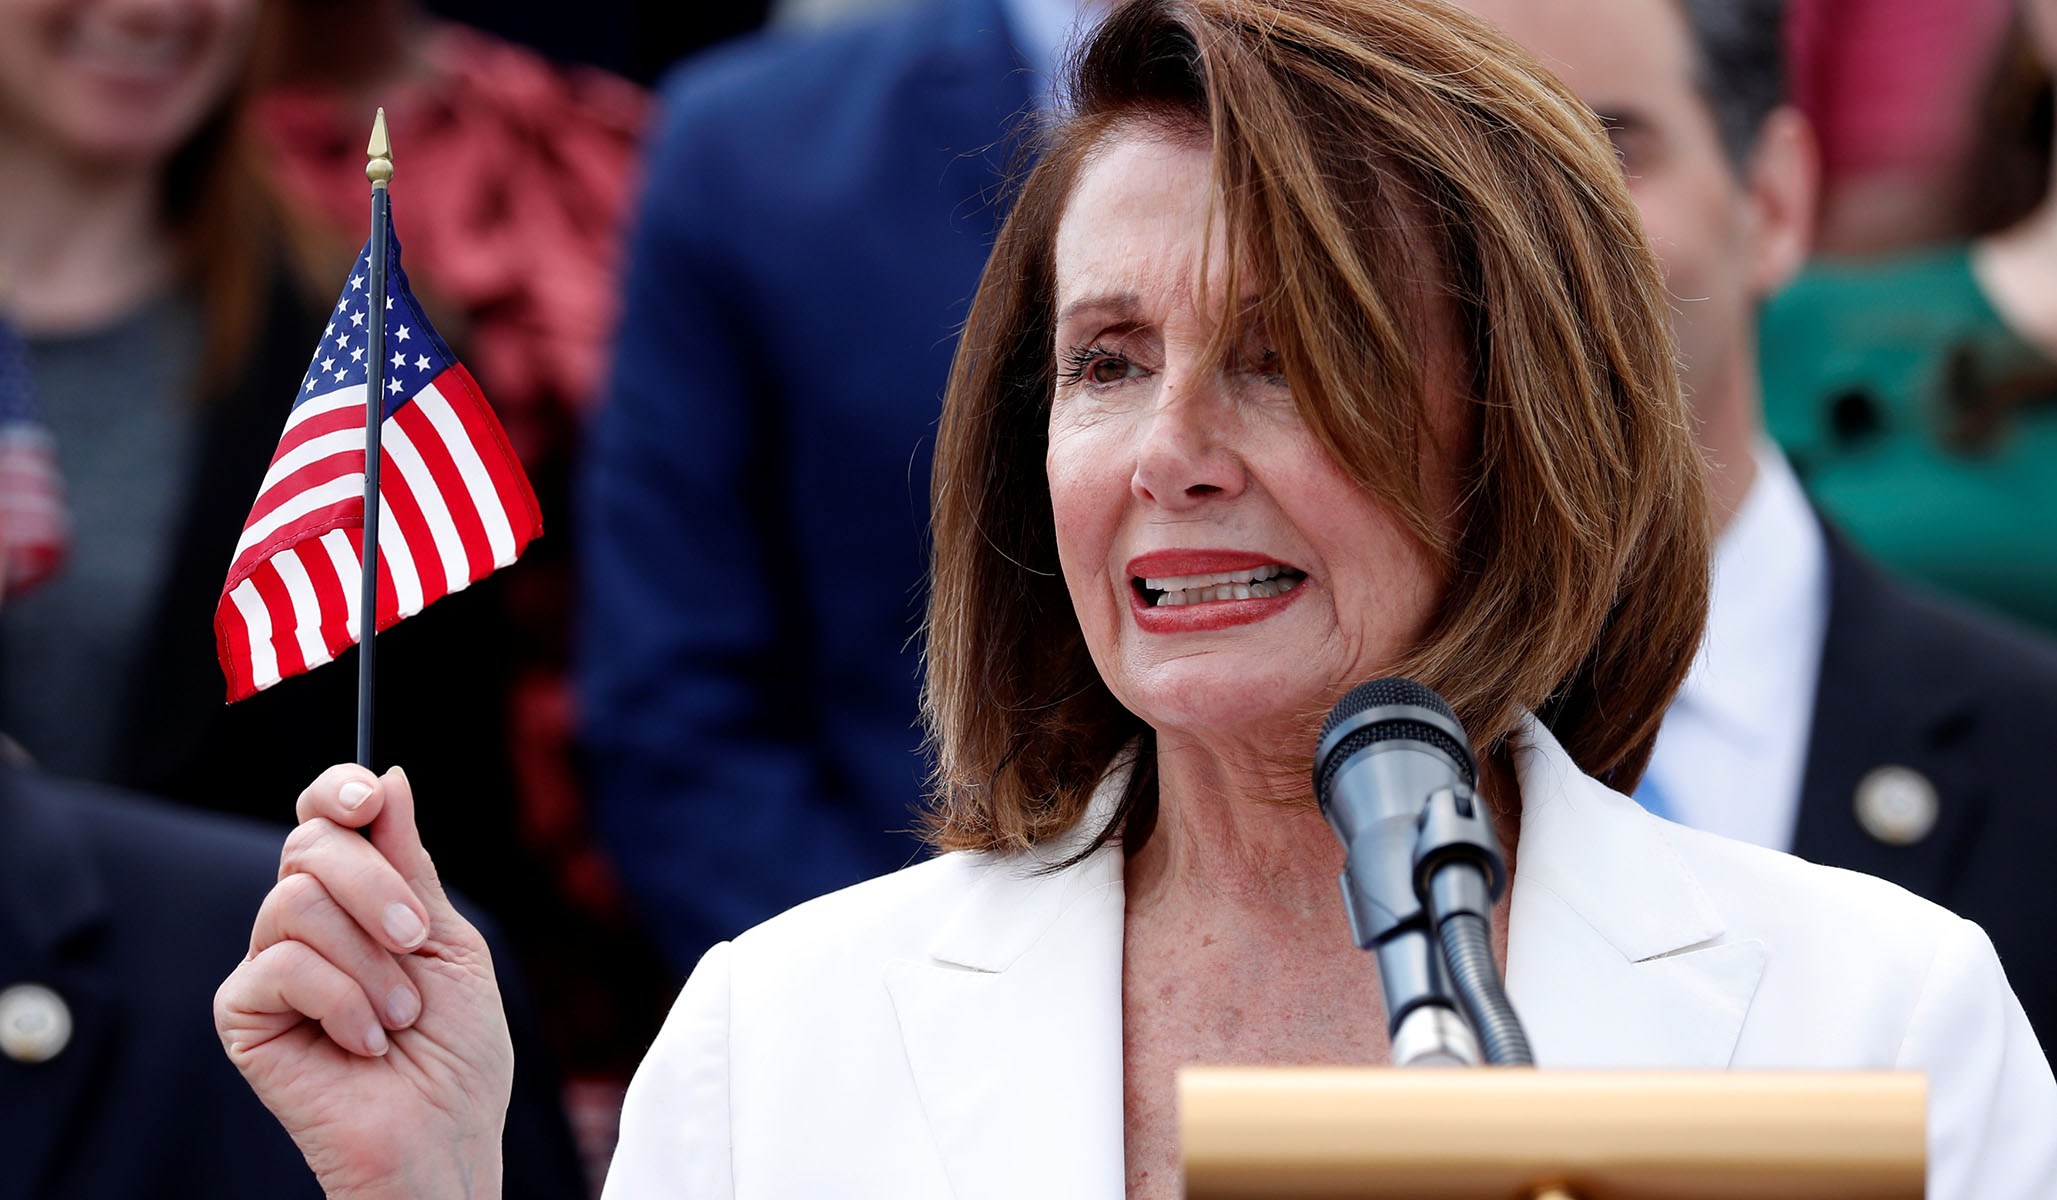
1521	1134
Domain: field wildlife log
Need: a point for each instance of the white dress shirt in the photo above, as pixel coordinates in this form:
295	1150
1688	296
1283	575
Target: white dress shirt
1734	743
953	1031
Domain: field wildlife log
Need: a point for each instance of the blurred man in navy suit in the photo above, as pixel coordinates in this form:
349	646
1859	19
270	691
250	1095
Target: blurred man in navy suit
1834	711
818	210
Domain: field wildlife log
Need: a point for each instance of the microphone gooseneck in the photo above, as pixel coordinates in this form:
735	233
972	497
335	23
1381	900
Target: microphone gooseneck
1394	775
1468	948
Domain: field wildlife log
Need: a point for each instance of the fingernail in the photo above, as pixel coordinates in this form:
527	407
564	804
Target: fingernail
403	926
352	795
375	1040
402	1007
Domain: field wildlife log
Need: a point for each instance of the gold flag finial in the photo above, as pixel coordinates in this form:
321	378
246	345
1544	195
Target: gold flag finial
380	151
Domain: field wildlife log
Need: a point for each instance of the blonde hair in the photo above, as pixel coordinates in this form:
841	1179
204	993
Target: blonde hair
1371	159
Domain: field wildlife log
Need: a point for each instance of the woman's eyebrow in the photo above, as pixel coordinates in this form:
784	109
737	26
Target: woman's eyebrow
1115	304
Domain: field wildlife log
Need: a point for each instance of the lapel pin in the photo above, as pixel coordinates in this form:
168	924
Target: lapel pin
1897	805
35	1025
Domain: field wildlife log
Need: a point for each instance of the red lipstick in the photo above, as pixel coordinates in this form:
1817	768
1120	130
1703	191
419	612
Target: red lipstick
1209	614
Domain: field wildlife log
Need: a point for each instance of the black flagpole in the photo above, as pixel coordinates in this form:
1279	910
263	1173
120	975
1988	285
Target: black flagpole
379	170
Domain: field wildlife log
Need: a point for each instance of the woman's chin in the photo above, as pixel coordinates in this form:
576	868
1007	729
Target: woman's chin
1214	702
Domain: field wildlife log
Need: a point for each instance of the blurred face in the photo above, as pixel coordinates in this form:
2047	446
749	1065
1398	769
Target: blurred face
1228	576
2040	18
117	82
1701	217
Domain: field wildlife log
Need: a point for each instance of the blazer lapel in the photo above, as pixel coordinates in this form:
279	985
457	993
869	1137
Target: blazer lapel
52	903
1889	693
1616	954
1012	1027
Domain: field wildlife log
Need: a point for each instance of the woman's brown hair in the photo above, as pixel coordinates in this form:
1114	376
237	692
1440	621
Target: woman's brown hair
1371	159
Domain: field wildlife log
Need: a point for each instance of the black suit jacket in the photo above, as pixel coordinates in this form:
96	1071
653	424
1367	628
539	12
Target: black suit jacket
1912	679
133	913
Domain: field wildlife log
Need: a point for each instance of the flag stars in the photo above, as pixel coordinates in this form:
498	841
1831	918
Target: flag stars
343	304
330	330
329	363
356	319
402	335
307	384
357	354
389	304
340	372
357	283
399	359
422	363
343	340
393	386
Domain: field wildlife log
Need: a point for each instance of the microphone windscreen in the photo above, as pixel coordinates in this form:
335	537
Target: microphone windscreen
1390	692
1384	693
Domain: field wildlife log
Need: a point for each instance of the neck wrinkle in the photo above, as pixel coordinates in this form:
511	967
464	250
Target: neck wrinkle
1231	830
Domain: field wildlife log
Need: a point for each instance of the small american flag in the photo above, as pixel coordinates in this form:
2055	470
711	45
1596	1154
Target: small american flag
454	505
35	526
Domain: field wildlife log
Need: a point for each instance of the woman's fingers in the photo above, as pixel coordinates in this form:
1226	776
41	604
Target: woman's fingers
397	838
346	794
300	909
352	797
284	983
375	894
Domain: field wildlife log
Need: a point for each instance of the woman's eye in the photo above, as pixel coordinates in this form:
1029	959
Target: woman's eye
1108	369
1096	366
1265	365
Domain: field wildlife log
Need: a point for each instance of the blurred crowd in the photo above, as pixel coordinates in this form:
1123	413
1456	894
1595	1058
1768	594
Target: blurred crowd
716	319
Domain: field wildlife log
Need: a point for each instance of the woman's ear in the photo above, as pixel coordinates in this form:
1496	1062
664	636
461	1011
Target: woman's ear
1784	182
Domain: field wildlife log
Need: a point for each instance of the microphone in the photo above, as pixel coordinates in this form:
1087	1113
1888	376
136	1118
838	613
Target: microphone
1394	775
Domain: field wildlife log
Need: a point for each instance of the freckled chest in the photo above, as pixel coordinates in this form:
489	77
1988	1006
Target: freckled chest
1190	996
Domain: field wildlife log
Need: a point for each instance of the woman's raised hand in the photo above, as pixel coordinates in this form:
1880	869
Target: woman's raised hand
366	1015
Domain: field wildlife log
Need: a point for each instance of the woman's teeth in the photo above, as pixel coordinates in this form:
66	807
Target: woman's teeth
1259	583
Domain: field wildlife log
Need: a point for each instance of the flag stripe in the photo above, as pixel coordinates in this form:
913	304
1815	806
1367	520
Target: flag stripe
349	577
293	507
334	604
478	481
387	611
346	444
256	642
278	606
351	398
232	645
407	521
306	607
397	559
303	481
517	498
421	487
449	483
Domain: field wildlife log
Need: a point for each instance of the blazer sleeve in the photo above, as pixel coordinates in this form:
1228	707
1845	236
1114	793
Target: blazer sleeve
675	1136
1992	1104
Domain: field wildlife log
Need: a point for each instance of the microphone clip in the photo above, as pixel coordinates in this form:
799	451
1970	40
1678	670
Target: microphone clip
1455	831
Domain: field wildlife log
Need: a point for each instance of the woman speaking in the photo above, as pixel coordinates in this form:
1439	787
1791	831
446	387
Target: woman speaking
1321	345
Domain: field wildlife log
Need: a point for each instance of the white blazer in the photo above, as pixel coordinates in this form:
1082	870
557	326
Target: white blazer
876	1042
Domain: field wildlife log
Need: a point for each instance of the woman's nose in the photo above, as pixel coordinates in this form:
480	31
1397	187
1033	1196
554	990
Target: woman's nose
1185	455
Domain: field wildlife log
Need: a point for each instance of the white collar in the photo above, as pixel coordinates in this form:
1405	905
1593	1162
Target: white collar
1770	582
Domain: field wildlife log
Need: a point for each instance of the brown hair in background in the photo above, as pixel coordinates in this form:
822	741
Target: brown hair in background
2009	167
1372	161
229	233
